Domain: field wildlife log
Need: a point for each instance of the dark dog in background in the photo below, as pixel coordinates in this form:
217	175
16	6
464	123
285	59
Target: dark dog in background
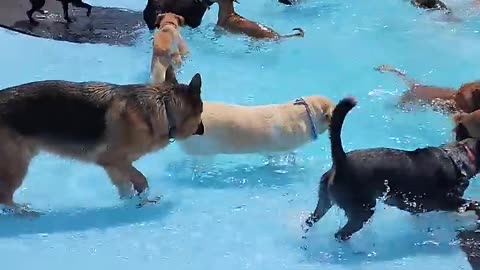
37	5
191	10
106	124
288	2
418	181
430	4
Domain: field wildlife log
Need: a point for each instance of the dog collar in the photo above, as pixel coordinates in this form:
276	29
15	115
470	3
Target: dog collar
313	127
172	124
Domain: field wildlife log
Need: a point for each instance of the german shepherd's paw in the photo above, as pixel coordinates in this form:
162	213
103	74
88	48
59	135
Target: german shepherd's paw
143	198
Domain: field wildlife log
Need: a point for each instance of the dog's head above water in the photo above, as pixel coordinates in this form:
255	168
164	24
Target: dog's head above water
186	105
191	10
169	18
467	125
322	109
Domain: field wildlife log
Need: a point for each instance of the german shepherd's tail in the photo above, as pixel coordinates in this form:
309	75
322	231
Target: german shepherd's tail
299	33
338	116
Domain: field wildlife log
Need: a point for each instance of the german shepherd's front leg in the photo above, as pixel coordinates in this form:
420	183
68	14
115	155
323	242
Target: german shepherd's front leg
124	177
121	182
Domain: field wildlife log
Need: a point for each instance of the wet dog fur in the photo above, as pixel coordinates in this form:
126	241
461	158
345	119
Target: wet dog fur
418	181
276	128
192	10
37	5
106	124
446	100
229	20
168	46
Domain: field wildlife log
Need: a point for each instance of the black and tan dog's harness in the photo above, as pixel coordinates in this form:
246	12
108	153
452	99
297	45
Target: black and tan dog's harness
466	169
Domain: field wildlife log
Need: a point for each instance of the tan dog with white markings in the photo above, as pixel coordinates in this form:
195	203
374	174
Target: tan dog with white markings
234	129
168	46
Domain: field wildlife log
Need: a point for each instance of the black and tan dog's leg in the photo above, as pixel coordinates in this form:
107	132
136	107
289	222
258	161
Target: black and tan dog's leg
323	205
357	217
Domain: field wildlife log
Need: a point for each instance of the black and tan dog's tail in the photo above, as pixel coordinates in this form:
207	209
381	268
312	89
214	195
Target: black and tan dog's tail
338	116
299	33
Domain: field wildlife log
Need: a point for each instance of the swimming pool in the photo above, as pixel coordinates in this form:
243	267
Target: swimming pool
240	213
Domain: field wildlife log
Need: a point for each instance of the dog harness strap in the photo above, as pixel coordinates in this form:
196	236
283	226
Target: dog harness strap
172	124
470	154
301	101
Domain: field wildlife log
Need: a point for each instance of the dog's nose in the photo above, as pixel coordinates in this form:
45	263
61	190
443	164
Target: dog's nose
200	129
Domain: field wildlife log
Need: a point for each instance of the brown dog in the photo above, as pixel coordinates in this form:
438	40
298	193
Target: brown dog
168	46
106	124
234	23
466	99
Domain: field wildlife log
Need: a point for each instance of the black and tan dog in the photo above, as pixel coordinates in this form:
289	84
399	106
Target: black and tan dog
423	180
37	5
106	124
191	10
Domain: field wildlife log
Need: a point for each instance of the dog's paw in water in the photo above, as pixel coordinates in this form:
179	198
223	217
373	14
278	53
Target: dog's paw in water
143	198
340	236
21	210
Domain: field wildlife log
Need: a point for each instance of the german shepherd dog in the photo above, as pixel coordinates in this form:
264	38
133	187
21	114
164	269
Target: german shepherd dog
418	181
37	5
106	124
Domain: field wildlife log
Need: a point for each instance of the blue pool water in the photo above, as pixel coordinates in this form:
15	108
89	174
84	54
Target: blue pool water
236	212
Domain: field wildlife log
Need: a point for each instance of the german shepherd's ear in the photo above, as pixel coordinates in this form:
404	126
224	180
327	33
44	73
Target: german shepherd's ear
170	75
159	20
195	85
180	19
